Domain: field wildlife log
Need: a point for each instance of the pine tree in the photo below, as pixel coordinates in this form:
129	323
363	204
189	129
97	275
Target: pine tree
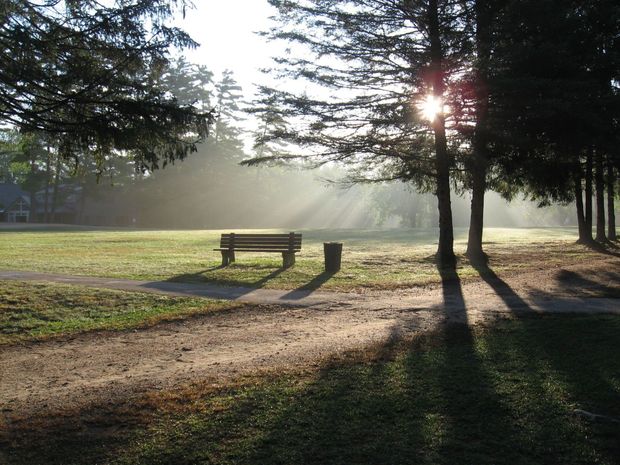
86	72
369	66
228	95
553	68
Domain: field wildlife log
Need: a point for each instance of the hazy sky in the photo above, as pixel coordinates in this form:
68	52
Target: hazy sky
225	29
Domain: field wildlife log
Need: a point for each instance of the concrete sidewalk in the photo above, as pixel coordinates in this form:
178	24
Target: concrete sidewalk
302	298
458	302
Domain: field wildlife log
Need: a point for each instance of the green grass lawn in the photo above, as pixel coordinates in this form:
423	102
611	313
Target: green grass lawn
504	396
36	311
379	259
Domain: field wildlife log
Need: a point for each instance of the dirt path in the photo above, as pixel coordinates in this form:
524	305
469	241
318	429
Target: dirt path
97	369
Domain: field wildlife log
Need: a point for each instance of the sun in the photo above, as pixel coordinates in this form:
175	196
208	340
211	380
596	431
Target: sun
431	107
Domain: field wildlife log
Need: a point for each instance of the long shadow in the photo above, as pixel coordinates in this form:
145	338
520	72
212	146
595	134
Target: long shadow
469	391
440	400
196	277
453	299
518	306
200	288
311	286
446	398
603	248
420	405
576	283
553	357
514	302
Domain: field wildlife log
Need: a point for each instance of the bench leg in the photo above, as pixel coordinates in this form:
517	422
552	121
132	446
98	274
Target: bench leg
288	259
228	256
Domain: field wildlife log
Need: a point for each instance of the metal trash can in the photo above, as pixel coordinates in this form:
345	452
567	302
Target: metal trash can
333	256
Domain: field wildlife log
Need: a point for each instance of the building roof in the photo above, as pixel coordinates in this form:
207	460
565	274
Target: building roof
9	193
67	201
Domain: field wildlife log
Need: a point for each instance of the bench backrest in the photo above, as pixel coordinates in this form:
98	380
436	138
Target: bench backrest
276	242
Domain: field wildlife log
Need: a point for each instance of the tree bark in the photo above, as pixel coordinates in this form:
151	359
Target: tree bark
581	221
611	208
475	251
480	153
600	198
82	204
32	216
48	172
588	197
445	250
55	189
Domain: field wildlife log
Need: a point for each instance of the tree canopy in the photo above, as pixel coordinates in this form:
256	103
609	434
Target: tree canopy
521	90
382	63
86	73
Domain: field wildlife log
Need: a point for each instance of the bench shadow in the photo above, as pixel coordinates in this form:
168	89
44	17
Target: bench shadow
193	284
193	277
311	286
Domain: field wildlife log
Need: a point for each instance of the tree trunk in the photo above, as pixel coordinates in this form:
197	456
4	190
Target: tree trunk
55	189
82	205
445	250
476	223
480	155
581	221
600	198
588	197
611	208
32	191
48	173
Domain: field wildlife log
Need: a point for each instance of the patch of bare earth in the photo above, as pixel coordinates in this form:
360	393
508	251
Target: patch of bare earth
104	370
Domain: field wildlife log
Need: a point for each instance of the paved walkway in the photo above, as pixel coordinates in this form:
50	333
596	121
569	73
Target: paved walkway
304	298
496	296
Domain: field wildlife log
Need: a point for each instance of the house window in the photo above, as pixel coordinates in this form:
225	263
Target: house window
19	212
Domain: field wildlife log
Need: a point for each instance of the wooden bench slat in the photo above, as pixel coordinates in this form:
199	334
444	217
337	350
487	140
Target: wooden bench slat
253	244
261	250
262	238
260	246
286	244
297	236
261	241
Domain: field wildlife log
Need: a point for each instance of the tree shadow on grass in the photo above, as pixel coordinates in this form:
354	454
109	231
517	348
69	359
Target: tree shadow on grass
468	395
606	248
444	398
578	284
569	359
429	401
453	396
456	395
73	437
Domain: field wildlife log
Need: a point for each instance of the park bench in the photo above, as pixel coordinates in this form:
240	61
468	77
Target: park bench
286	244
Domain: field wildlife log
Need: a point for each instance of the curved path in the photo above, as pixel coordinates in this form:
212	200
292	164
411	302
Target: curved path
284	329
